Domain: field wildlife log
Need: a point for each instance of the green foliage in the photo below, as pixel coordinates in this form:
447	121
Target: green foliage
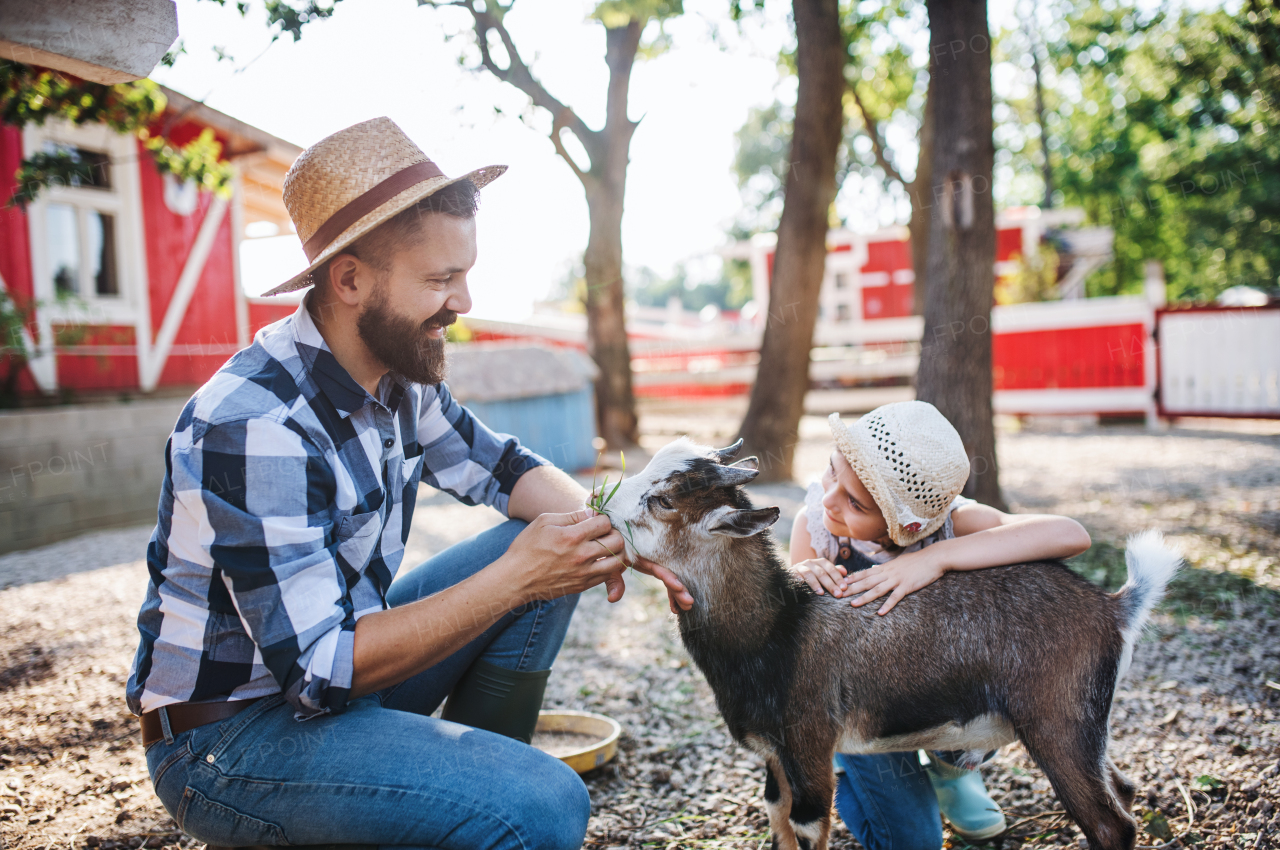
1206	782
287	17
1036	279
34	95
31	95
730	292
197	160
57	168
760	162
882	39
1157	825
1164	126
618	13
14	316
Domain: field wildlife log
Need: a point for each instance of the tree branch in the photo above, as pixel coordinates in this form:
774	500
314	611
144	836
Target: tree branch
517	74
557	126
621	45
873	133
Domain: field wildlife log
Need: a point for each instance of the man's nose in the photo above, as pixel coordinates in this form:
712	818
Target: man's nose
459	300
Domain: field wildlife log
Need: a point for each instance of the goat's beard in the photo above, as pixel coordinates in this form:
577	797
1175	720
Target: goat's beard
402	345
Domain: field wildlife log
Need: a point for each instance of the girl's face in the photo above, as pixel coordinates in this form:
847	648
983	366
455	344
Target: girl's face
848	509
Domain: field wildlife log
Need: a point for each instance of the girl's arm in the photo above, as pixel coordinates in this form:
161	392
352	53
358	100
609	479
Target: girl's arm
985	537
817	572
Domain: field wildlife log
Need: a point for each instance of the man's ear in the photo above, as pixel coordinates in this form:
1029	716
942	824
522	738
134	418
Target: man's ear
733	523
343	282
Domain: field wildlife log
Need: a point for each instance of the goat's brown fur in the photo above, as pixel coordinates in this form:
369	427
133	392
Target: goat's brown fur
971	662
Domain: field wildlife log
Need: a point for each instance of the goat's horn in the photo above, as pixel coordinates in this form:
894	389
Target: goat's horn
728	453
732	476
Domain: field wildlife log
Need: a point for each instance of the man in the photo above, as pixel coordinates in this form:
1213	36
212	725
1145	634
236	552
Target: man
285	683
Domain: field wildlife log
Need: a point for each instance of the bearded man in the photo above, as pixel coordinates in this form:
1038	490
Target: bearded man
285	676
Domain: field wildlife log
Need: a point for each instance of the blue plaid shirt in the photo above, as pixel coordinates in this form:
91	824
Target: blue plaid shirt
285	507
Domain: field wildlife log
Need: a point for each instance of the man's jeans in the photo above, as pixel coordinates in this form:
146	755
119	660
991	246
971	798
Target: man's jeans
887	802
384	772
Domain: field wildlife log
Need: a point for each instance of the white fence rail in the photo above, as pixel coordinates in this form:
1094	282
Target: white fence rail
1220	362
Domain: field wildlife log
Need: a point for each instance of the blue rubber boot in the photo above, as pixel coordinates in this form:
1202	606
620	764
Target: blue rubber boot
964	801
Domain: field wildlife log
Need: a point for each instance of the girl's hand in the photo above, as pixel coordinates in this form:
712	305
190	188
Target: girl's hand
904	574
820	573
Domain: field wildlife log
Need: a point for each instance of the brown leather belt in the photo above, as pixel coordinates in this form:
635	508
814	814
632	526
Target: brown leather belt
189	715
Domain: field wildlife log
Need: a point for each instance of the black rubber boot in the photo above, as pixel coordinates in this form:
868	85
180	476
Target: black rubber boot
498	700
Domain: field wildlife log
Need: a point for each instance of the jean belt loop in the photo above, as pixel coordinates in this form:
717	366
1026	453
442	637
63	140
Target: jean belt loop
164	724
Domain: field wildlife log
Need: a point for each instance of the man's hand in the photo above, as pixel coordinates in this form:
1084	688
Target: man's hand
676	593
820	573
560	554
903	575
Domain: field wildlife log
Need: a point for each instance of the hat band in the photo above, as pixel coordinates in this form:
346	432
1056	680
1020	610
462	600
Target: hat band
367	203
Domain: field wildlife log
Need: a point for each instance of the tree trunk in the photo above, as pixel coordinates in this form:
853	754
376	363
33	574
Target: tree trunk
604	182
1046	167
770	427
606	321
955	357
605	186
921	194
606	295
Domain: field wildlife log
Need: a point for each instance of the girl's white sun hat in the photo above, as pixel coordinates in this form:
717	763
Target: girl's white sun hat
911	460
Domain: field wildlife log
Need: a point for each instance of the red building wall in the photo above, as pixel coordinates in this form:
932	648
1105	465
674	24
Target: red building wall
210	321
15	240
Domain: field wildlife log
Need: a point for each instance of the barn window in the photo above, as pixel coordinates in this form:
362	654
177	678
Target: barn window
86	229
80	234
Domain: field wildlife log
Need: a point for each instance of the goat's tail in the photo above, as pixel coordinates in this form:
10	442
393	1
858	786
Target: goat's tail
1152	564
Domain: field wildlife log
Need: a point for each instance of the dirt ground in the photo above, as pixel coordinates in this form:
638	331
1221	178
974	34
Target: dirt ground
1196	723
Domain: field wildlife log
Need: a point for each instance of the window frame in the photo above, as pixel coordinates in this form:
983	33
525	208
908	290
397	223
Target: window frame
122	201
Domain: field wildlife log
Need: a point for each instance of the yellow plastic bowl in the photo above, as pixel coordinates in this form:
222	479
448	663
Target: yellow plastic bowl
581	756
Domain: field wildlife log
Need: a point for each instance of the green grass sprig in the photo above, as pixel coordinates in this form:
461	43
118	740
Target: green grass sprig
599	501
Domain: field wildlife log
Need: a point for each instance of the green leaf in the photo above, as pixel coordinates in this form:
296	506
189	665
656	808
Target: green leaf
1158	826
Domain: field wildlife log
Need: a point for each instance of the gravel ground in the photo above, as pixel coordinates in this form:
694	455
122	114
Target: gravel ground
1196	722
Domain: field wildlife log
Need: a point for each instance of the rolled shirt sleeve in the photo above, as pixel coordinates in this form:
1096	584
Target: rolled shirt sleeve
466	459
256	494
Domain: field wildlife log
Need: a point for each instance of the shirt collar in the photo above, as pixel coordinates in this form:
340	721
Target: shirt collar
318	361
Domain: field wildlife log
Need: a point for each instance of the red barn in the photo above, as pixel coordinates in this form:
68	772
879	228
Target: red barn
133	281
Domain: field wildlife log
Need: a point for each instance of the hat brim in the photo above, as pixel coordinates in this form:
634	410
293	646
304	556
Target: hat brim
871	478
397	204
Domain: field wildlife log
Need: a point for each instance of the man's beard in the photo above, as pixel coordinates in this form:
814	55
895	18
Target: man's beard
403	345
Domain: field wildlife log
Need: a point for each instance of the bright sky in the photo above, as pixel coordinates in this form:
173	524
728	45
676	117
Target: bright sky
389	57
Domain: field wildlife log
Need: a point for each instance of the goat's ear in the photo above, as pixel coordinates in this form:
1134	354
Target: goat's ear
752	462
733	523
728	453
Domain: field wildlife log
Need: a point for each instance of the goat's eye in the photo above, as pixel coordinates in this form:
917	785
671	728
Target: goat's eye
664	501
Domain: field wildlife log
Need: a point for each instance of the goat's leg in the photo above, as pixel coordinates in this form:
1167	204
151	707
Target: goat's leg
813	786
1074	758
1123	787
777	801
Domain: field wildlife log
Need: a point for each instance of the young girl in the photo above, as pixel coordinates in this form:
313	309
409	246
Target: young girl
887	519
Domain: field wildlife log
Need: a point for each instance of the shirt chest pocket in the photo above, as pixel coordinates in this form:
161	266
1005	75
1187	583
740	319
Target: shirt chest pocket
412	470
357	535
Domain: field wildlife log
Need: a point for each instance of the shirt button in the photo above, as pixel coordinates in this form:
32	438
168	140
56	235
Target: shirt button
389	442
209	758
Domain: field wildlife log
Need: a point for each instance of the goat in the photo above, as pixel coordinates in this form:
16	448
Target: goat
974	661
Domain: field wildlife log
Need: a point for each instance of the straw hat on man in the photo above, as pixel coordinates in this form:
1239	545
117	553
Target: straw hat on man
285	685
